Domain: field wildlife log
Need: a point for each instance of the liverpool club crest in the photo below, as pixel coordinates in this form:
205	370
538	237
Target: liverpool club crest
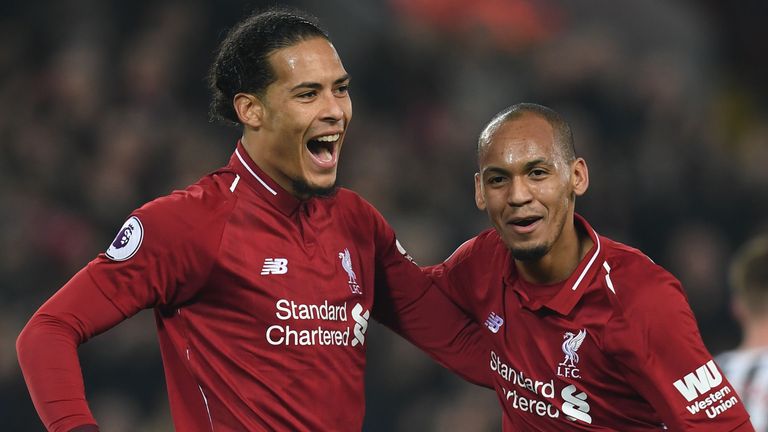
346	264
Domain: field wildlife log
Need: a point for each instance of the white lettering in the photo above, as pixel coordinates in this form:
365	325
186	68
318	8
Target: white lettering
546	389
288	309
282	305
724	406
709	400
699	382
533	406
279	335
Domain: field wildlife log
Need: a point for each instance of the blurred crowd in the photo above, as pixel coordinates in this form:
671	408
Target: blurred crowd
103	106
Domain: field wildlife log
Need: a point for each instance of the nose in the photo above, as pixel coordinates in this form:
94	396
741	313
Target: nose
519	192
333	108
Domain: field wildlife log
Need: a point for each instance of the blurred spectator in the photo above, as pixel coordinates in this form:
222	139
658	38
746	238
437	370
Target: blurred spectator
747	366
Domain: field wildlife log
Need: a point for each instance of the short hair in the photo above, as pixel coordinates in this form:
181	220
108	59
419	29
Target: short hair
242	60
749	275
561	128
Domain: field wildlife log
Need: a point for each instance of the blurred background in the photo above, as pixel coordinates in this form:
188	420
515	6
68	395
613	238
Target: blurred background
103	106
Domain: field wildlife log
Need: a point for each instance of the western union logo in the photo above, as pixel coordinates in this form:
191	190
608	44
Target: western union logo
700	381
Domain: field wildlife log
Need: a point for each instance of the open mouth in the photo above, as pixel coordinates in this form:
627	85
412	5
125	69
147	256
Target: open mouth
323	149
526	224
526	221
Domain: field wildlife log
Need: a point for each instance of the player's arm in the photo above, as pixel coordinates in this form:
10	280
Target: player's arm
47	351
408	303
657	344
170	252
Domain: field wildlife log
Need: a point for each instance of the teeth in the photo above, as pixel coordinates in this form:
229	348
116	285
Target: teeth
328	138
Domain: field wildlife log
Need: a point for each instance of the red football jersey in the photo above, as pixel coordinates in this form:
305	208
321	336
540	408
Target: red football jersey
262	304
615	347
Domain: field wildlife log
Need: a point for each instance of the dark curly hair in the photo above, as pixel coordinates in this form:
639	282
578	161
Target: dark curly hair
242	61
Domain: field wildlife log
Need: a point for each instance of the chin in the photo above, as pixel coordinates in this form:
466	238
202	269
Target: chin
533	253
306	190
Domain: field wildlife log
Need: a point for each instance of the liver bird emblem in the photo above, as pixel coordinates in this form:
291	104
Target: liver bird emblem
571	345
346	264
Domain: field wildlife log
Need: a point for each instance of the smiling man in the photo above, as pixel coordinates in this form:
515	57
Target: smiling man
586	333
263	275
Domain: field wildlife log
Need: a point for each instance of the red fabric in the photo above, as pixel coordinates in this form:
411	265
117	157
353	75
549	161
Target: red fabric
639	356
262	305
47	351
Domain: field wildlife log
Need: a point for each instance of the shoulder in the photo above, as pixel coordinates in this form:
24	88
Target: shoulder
195	209
480	248
636	272
471	260
646	295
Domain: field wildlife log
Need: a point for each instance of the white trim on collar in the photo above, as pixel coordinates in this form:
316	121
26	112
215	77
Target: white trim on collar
591	261
254	174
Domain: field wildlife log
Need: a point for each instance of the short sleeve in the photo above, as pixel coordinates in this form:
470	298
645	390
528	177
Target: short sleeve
163	253
657	344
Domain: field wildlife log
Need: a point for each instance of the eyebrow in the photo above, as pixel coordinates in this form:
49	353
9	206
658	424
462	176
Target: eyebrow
318	86
527	167
494	170
535	162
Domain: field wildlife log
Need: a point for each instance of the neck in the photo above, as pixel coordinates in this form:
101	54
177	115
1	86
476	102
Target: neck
755	334
251	145
562	259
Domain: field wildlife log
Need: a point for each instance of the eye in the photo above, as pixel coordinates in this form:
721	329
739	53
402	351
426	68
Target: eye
307	95
538	172
495	180
342	90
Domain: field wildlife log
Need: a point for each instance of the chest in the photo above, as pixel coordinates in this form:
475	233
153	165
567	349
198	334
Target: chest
293	283
553	368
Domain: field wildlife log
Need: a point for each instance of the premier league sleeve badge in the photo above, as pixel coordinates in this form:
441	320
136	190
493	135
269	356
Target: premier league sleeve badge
127	241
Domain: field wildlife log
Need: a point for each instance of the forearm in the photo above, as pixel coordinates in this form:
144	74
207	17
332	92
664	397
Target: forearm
47	351
437	326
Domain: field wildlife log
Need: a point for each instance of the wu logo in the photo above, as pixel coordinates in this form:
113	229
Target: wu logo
567	368
361	324
346	264
275	266
494	322
700	381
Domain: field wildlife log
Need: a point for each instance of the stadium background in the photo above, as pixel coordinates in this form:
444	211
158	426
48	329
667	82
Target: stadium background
103	106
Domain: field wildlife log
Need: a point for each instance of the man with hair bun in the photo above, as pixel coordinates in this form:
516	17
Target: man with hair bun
263	275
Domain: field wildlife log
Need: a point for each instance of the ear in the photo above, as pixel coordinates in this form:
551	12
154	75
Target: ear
479	198
579	177
739	310
249	109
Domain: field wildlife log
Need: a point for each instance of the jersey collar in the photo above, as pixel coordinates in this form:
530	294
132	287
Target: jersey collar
573	288
257	179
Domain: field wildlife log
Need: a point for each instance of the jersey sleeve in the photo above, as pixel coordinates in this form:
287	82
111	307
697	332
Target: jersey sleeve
407	302
657	344
160	258
47	352
179	240
451	275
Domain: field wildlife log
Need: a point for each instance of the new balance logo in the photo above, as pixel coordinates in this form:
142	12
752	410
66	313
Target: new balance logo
275	266
700	381
494	322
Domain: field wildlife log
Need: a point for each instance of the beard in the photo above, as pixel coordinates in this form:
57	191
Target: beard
304	190
534	253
